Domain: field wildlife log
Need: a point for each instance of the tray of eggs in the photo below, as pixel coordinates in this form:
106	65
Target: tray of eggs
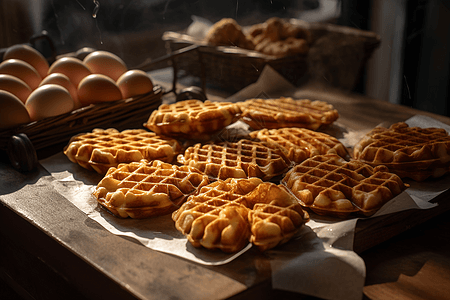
50	102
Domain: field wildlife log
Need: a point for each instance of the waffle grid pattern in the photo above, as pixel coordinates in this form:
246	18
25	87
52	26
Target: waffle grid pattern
301	143
229	214
144	189
287	112
242	159
192	118
413	152
330	185
105	148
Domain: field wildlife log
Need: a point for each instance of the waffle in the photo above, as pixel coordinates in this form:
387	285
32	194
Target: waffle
242	159
146	189
229	214
410	152
105	148
330	185
287	112
299	143
192	119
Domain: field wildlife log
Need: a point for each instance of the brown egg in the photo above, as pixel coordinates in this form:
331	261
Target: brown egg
72	67
134	82
98	88
12	111
64	81
29	55
105	63
15	86
49	100
22	70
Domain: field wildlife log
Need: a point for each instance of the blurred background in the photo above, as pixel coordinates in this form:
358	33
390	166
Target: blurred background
410	67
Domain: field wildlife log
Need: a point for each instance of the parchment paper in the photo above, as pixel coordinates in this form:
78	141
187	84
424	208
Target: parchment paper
319	261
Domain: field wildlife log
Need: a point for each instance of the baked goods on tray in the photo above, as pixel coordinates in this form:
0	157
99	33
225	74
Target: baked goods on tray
229	214
104	148
241	159
193	119
287	112
413	152
145	189
300	143
330	185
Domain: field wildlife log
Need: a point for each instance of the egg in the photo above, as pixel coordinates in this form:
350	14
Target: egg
64	81
134	82
72	67
83	52
49	100
105	63
12	111
98	88
29	55
22	70
15	86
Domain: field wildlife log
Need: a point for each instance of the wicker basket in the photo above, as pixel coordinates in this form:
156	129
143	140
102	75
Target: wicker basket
233	68
122	114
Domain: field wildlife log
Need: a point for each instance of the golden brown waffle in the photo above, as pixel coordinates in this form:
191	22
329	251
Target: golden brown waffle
192	119
229	214
104	148
330	185
146	189
242	159
413	152
300	143
287	112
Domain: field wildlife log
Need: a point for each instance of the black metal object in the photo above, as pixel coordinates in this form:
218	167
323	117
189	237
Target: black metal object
21	153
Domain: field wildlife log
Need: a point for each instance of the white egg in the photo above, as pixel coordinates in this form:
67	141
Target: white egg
64	81
15	86
12	111
98	88
22	70
72	67
49	100
29	55
134	82
105	63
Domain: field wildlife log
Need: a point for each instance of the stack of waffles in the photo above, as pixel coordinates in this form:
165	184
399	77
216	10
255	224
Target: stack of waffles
224	193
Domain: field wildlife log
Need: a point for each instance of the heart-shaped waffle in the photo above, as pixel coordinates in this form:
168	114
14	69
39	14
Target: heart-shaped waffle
413	152
193	119
287	112
300	143
229	214
104	148
330	185
146	189
242	159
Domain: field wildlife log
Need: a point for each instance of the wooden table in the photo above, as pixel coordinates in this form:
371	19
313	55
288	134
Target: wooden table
51	250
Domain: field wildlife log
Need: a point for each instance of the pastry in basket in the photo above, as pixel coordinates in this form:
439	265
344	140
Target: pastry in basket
229	214
330	185
146	189
300	143
193	119
287	112
104	148
242	159
279	38
227	32
412	152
